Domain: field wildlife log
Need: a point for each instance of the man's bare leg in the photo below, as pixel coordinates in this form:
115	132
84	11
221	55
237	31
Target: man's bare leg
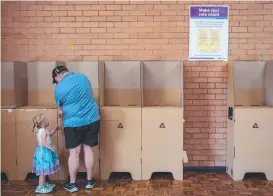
74	162
88	160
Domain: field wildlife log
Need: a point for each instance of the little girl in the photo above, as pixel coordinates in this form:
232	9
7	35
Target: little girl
45	160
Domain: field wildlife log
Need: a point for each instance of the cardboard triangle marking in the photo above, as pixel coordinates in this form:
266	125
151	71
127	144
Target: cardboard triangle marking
120	126
255	125
162	125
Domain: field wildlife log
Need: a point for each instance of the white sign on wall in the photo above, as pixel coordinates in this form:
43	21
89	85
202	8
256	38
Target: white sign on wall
208	38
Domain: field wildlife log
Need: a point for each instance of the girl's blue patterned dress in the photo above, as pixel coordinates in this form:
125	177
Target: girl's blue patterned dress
45	162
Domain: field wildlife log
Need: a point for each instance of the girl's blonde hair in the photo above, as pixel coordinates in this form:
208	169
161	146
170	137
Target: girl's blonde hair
38	122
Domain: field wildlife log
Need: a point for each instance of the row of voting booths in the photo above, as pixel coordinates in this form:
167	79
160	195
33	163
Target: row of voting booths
141	107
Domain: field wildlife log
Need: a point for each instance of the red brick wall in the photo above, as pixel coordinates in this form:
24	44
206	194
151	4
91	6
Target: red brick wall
139	30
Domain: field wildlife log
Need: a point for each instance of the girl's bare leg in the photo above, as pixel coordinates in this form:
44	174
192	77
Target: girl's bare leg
42	180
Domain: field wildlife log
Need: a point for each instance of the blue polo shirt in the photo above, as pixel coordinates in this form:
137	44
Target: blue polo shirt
75	97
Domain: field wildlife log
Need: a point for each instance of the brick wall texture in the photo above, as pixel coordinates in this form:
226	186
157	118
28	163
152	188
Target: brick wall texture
144	30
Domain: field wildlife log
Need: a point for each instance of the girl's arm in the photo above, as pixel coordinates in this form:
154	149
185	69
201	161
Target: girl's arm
44	143
53	131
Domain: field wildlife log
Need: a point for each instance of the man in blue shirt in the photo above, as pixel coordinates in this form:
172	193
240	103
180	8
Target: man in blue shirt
81	121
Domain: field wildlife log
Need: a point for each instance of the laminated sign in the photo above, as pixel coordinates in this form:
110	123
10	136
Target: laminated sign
208	38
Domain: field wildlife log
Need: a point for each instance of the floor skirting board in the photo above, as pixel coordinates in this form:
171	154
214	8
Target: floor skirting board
205	169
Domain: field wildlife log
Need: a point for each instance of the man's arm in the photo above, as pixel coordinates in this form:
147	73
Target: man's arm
58	99
60	112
